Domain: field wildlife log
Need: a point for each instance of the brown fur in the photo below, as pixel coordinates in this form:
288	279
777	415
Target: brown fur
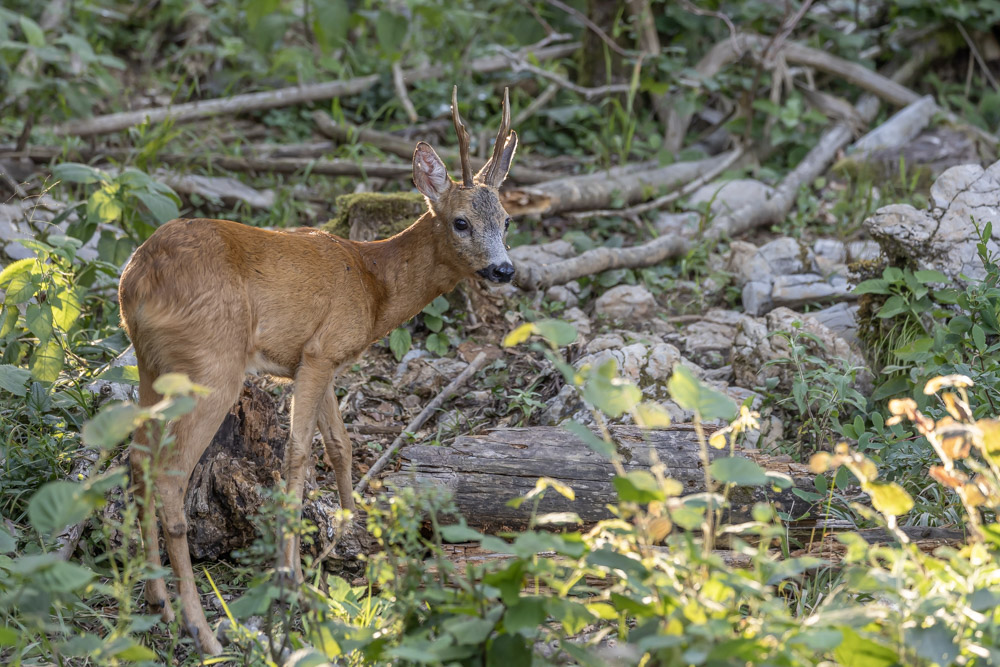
215	299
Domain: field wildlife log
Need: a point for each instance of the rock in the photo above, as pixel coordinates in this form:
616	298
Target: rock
567	294
794	291
781	257
545	253
831	250
741	254
629	360
730	196
756	297
218	189
117	391
607	341
709	341
677	223
841	318
863	251
756	345
578	319
945	237
625	302
661	360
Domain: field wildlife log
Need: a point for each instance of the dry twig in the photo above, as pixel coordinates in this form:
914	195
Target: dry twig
419	420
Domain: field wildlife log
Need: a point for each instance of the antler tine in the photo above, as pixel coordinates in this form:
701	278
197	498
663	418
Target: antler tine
493	176
463	140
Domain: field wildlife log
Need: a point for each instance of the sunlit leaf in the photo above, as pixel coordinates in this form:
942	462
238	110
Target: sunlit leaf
519	335
112	425
889	497
692	395
14	379
738	470
556	332
47	361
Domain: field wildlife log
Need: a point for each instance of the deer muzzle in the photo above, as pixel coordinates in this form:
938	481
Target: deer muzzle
498	273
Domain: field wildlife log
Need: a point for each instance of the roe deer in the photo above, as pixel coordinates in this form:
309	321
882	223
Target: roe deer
216	299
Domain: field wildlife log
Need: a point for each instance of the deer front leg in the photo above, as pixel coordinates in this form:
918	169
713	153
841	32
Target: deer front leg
338	447
311	384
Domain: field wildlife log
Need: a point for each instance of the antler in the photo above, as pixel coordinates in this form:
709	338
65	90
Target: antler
463	140
493	175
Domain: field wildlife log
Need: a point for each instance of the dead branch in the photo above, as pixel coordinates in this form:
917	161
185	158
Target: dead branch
419	420
404	97
346	132
283	97
592	191
659	202
518	64
598	260
593	27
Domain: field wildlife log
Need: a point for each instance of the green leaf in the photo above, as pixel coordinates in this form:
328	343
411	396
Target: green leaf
9	320
557	332
400	342
33	33
121	374
72	172
460	533
979	337
573	615
874	286
508	650
255	601
894	305
62	577
331	24
692	395
104	203
889	497
856	651
21	288
915	349
437	307
390	31
438	344
8	637
7	541
135	653
161	207
47	361
38	318
16	268
112	425
896	385
433	322
935	644
14	379
931	277
66	307
174	384
739	471
57	505
609	393
638	486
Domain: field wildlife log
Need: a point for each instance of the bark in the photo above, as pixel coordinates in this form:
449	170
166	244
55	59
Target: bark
283	97
576	193
484	472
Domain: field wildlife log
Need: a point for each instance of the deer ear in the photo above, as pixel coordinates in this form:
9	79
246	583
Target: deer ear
506	157
429	173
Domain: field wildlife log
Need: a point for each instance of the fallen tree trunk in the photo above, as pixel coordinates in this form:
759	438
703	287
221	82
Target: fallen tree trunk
484	472
283	97
580	193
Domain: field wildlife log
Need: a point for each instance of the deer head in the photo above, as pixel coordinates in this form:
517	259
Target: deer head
471	222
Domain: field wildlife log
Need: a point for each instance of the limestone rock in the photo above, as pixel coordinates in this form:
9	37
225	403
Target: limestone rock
945	237
730	196
625	302
756	345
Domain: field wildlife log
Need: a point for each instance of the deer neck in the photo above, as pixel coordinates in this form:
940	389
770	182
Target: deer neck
409	271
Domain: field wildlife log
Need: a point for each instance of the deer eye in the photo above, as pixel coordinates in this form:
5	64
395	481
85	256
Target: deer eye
461	224
506	224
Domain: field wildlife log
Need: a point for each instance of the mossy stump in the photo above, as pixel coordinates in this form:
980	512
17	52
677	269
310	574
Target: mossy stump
367	216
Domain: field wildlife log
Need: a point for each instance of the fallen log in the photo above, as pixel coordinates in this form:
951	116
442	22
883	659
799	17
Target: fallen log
593	191
283	97
484	472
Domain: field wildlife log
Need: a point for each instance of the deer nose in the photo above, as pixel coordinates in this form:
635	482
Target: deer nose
498	273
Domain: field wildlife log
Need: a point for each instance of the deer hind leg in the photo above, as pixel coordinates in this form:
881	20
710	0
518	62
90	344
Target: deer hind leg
193	433
157	597
338	447
311	385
